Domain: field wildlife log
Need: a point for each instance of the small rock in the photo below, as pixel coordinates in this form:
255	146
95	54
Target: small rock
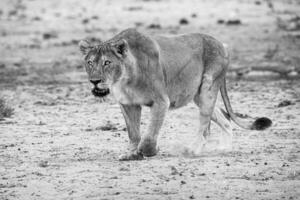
194	15
138	24
12	12
183	21
95	17
285	103
192	197
107	127
34	46
123	169
85	21
71	192
134	8
221	21
37	173
182	182
74	41
245	177
36	18
243	115
234	22
44	164
285	165
41	123
154	26
3	33
49	35
18	64
116	134
257	2
174	171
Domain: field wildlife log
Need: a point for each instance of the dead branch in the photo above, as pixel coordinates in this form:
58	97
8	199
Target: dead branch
270	67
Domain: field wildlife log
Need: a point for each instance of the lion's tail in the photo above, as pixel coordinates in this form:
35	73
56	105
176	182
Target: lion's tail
243	121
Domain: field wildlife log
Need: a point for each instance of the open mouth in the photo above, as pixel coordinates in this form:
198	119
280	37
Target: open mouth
100	92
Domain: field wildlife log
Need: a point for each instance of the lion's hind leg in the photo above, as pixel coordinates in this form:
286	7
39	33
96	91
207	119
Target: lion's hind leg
221	118
205	99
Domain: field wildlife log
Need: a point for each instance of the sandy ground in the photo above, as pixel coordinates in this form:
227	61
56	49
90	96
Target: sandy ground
63	143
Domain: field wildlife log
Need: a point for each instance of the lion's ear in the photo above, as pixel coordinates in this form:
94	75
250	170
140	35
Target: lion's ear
121	48
84	46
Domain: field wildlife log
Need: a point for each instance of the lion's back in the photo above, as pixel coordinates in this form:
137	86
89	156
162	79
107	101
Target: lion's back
180	47
187	43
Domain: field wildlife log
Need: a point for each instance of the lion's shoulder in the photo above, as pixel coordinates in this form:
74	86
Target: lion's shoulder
139	42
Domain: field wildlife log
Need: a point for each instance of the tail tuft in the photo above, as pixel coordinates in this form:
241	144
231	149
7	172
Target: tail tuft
261	123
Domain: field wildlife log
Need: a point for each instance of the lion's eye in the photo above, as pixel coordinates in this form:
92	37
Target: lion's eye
107	62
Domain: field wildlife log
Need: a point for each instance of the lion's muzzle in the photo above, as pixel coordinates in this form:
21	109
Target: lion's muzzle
100	92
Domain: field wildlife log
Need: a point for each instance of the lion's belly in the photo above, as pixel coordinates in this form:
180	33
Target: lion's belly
180	100
184	83
181	59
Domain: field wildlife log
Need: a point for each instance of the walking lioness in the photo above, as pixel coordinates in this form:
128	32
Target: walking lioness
163	73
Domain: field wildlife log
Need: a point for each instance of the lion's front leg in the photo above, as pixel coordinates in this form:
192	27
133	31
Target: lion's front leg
148	144
132	115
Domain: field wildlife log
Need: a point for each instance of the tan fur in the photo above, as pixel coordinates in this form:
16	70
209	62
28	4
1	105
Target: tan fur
163	72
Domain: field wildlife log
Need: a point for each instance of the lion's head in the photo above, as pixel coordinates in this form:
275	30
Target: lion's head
105	63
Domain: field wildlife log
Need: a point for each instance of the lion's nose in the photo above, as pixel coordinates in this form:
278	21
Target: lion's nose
95	82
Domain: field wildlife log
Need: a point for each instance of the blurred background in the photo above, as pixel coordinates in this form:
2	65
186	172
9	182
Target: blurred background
38	35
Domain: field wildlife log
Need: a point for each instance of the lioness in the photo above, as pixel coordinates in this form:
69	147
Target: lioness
163	72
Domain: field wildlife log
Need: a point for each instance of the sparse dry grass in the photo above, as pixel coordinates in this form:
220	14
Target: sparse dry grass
5	110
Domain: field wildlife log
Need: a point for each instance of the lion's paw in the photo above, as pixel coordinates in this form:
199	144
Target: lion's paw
211	145
147	147
131	156
217	145
188	152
